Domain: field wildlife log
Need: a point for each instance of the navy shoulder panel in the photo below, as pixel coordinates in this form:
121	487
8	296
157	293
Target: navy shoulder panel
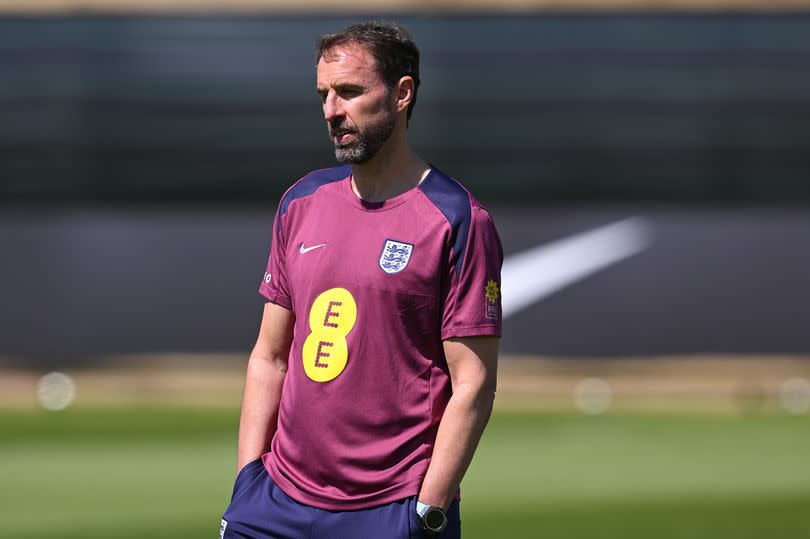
454	202
311	182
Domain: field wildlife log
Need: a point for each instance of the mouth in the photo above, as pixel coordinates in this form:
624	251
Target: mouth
342	136
341	131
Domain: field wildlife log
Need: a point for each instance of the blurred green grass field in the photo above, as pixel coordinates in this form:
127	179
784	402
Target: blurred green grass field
167	473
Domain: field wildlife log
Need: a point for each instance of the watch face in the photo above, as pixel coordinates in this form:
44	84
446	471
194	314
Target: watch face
435	519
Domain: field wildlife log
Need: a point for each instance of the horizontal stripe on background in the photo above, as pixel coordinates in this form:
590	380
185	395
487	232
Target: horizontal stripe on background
554	106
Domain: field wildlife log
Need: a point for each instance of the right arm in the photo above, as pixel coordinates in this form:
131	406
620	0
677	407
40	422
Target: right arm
265	376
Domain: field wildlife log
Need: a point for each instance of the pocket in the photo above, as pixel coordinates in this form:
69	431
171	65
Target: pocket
245	476
415	528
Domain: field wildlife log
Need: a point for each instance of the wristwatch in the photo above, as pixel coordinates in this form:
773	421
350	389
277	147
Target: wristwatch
433	518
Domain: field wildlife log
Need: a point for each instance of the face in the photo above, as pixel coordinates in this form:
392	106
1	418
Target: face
358	107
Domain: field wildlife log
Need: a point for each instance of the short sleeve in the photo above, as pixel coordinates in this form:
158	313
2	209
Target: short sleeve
472	303
274	283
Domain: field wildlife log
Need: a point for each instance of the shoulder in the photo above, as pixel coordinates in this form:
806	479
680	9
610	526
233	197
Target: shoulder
454	200
310	183
459	207
451	198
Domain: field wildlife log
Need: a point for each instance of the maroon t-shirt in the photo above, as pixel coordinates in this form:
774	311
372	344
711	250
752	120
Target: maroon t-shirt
375	288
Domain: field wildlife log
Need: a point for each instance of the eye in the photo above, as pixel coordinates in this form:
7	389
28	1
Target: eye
348	93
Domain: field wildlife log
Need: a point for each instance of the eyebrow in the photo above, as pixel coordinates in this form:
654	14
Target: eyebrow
341	86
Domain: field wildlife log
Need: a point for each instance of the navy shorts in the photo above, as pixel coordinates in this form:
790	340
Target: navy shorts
260	510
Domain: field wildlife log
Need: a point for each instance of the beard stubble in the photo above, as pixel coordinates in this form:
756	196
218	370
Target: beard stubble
367	143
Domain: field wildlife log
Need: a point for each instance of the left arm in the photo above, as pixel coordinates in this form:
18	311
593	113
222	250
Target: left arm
473	366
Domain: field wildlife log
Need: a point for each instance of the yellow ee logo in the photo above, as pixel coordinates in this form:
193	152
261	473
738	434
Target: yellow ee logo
331	318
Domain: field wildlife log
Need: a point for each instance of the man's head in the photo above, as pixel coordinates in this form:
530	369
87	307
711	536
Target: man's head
368	76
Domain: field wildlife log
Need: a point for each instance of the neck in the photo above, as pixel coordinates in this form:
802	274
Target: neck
394	170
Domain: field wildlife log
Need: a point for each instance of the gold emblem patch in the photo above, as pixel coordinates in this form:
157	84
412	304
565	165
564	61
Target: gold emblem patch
492	291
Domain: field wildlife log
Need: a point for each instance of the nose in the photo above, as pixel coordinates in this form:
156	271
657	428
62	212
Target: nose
331	107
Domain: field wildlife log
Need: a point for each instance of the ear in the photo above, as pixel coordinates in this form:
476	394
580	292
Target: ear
404	93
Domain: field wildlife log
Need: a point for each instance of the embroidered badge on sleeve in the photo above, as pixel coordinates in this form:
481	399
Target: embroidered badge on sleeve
492	292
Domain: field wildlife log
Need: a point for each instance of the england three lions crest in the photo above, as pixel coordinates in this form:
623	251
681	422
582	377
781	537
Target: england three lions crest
395	256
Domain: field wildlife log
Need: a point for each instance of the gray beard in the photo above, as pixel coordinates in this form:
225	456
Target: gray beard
367	143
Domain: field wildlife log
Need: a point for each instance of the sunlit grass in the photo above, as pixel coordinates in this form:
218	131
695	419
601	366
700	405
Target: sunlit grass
167	473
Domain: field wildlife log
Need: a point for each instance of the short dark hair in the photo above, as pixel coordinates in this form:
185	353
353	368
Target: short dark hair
389	43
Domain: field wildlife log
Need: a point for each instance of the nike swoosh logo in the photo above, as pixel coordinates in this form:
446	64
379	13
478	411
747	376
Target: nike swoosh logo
535	274
304	250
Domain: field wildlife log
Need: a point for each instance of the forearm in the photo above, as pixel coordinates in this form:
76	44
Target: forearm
462	424
260	402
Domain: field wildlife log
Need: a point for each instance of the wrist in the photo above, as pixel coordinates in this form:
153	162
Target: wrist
434	518
435	499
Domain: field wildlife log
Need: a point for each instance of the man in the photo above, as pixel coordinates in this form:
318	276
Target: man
374	371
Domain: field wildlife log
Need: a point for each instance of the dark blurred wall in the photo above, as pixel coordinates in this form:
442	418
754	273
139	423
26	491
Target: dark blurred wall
523	107
81	284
